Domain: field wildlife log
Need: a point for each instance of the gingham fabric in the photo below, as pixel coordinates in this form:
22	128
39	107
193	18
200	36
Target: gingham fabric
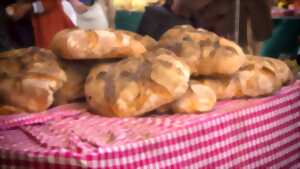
254	133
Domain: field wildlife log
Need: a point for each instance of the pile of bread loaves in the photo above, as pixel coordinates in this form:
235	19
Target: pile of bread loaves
120	73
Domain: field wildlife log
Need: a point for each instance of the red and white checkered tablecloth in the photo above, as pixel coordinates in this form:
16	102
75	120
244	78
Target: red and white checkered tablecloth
254	133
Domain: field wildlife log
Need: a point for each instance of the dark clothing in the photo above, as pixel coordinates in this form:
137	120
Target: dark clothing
214	15
157	20
14	34
5	41
219	16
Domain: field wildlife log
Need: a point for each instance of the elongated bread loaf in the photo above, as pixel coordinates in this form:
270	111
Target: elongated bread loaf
204	52
260	76
29	78
136	86
77	44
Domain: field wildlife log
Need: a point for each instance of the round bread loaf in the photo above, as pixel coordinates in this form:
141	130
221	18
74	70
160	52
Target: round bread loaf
283	73
29	78
136	86
77	44
204	52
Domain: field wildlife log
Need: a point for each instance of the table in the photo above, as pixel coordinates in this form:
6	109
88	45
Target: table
248	133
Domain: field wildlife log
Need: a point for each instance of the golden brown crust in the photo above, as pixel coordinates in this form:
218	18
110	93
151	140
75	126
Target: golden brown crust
198	99
259	76
204	52
136	86
30	79
99	44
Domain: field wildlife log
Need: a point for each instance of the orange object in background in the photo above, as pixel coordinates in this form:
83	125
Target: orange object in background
48	23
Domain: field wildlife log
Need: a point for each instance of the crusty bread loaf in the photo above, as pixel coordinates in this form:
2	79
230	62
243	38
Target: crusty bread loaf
280	68
199	98
204	52
136	86
29	78
77	44
259	76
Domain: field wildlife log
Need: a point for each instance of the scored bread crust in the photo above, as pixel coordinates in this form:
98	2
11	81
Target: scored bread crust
29	78
136	86
77	44
205	52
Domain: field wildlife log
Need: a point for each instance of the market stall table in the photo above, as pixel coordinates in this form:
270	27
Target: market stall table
253	133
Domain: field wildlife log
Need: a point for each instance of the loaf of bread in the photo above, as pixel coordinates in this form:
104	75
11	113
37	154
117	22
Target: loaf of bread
199	98
29	78
282	71
204	52
259	76
136	86
74	44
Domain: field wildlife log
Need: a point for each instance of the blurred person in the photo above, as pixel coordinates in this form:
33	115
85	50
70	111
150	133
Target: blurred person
5	42
48	18
14	34
158	19
219	16
94	14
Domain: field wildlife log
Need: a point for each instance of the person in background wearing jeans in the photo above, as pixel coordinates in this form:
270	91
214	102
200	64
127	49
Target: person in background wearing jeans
48	18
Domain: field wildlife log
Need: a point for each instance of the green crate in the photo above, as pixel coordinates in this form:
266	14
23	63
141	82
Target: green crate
129	21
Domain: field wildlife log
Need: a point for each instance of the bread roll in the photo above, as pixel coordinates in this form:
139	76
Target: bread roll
204	52
199	98
77	44
29	78
136	86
